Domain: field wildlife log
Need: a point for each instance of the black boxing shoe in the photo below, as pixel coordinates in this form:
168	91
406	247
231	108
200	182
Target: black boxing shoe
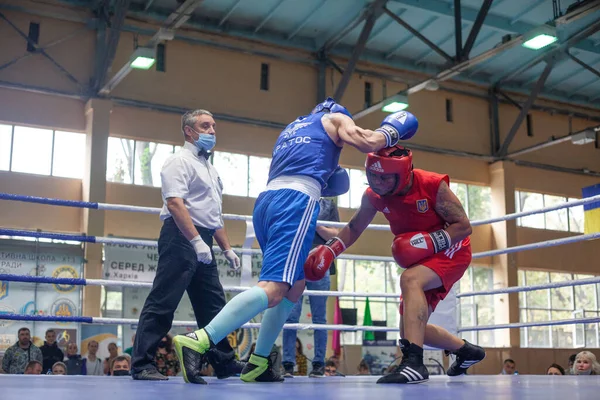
467	356
224	364
411	368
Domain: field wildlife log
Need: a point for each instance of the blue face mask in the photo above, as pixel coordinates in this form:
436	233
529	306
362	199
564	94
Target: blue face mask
205	142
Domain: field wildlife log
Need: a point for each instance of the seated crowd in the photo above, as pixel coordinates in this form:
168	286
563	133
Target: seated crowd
25	358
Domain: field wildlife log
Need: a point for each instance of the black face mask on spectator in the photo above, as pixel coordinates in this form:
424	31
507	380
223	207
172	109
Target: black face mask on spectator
120	372
162	344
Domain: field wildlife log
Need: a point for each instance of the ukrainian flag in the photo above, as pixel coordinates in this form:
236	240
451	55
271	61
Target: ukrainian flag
591	210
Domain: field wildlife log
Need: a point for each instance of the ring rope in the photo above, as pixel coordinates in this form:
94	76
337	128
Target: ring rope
316	293
378	227
130	321
151	243
518	289
588	320
341	327
235	289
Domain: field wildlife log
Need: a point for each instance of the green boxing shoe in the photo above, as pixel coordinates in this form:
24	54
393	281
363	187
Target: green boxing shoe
191	349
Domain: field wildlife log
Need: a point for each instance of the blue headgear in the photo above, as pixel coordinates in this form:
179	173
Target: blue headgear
330	105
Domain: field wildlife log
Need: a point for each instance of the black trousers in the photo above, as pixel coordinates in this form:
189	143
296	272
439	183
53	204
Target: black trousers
178	270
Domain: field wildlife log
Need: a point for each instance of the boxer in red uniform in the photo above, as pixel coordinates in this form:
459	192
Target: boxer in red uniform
431	242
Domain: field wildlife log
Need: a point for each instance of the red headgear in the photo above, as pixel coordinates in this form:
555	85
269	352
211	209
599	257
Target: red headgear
391	160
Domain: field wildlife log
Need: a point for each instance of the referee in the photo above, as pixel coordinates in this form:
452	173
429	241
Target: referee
192	217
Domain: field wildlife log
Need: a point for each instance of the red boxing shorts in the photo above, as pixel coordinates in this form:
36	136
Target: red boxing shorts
450	265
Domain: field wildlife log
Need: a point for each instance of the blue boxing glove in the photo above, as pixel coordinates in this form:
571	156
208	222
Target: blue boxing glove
337	184
398	126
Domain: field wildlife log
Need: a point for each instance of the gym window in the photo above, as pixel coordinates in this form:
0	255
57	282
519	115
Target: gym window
160	58
42	151
264	76
449	116
565	220
368	94
34	36
529	125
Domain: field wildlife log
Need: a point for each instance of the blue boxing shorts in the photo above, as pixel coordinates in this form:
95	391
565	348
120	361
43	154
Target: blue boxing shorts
284	221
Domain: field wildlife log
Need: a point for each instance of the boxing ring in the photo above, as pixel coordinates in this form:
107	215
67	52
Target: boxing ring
356	387
480	387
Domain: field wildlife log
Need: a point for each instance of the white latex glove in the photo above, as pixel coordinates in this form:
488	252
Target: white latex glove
234	260
203	253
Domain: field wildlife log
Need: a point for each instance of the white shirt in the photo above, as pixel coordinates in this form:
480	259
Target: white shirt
194	179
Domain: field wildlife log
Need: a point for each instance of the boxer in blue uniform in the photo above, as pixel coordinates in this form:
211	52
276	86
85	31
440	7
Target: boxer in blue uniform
304	168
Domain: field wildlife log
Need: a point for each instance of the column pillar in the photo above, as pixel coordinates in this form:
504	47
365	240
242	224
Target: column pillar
504	234
97	115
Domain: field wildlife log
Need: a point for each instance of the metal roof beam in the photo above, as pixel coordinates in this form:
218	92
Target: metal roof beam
176	19
397	47
446	74
551	142
458	30
584	65
421	57
39	49
526	107
383	27
307	18
107	42
580	12
575	38
229	12
528	8
337	37
581	87
148	5
483	12
75	33
375	12
269	15
499	23
571	74
418	34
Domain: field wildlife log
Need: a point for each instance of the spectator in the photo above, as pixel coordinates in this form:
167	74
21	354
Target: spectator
59	368
363	368
120	366
569	370
301	360
17	357
76	365
113	351
586	364
318	304
555	369
93	364
252	347
166	358
129	350
330	368
50	351
33	368
509	367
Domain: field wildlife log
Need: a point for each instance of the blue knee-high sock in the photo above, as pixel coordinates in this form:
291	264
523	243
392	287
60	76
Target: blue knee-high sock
271	325
239	310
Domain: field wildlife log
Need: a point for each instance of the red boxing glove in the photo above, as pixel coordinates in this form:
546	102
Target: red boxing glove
410	248
320	258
